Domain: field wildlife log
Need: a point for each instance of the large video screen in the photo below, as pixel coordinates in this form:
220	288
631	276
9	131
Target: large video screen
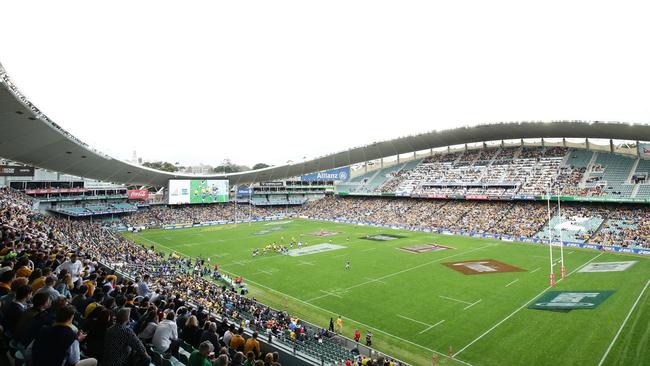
192	191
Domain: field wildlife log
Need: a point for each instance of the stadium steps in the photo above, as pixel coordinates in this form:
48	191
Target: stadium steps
633	170
635	191
597	231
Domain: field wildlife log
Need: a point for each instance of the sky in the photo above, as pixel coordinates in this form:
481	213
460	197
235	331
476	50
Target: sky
271	81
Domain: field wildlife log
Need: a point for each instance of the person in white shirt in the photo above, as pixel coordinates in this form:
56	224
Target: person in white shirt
165	338
74	267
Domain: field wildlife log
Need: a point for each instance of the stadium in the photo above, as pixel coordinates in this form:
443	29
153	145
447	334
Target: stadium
496	244
340	183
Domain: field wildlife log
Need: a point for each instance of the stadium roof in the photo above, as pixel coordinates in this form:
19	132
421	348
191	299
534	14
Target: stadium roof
29	137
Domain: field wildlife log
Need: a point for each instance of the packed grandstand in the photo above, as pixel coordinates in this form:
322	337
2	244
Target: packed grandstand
68	273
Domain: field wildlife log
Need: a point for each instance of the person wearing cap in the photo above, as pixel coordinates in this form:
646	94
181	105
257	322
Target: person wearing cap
201	356
122	346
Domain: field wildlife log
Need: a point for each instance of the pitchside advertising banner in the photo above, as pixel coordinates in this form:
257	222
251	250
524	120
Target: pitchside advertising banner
16	171
332	174
138	194
186	191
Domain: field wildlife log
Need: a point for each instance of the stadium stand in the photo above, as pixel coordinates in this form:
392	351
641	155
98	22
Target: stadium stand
511	171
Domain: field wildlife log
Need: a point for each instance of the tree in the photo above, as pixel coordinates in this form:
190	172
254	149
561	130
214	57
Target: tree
260	166
161	165
228	166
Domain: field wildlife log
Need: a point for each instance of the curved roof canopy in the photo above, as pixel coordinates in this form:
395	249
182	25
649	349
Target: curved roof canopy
29	137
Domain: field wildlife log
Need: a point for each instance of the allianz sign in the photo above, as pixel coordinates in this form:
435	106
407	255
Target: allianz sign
332	174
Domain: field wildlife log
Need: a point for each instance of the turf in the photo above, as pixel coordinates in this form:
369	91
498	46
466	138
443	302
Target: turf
415	305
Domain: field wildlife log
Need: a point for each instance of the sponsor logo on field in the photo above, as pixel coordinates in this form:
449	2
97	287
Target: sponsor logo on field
607	266
322	233
482	266
314	249
383	237
570	300
423	248
277	223
268	231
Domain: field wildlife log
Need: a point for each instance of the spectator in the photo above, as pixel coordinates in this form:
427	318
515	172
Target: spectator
237	341
96	326
210	334
33	319
50	281
74	267
201	356
16	308
191	332
253	346
122	347
165	338
59	344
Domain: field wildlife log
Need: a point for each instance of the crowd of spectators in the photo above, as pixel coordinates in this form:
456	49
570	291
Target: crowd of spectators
177	215
513	218
62	302
497	171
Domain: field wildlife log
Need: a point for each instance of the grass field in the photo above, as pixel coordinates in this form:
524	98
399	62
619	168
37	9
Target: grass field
415	305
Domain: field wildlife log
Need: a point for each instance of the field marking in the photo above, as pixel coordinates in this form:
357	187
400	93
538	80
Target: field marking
428	326
410	269
521	307
375	280
570	252
433	326
263	271
452	299
367	250
629	313
472	304
413	320
331	294
352	320
340	255
512	282
305	263
536	269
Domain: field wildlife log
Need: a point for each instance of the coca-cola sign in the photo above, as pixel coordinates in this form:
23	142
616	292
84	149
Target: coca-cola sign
138	194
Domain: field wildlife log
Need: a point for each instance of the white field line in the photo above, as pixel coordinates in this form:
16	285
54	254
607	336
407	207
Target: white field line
512	282
521	307
374	280
452	299
535	270
367	250
331	294
410	269
339	256
262	271
352	320
305	263
570	252
472	304
623	324
433	326
413	320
